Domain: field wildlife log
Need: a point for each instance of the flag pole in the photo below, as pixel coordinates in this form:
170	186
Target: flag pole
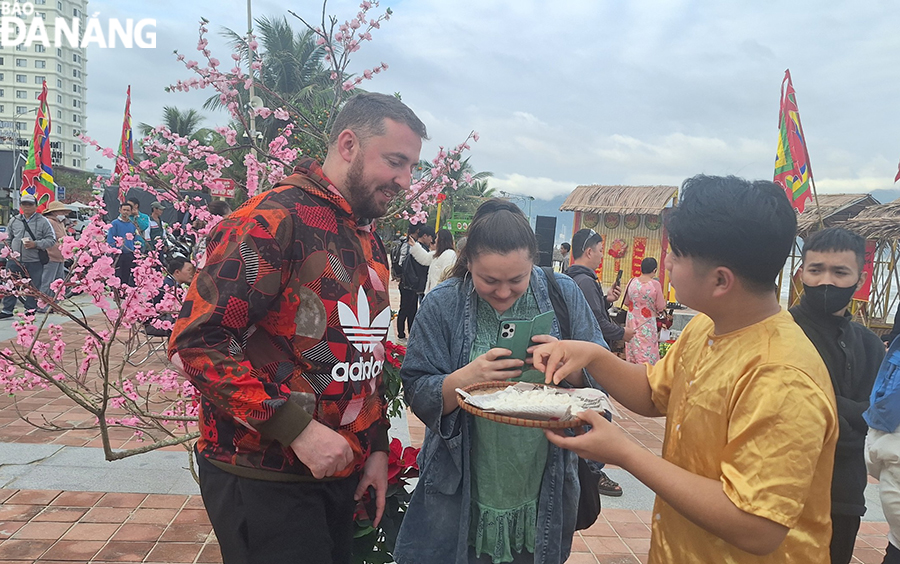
812	182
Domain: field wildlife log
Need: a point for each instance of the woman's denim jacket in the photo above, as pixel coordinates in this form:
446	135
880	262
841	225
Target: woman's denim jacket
435	528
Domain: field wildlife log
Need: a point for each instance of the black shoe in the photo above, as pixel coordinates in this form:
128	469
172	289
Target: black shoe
5	315
608	487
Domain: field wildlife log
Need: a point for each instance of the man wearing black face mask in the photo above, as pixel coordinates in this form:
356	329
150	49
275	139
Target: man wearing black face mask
832	272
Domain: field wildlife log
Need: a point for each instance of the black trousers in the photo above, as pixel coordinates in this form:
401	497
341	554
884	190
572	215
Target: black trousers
262	522
124	266
409	305
891	555
843	537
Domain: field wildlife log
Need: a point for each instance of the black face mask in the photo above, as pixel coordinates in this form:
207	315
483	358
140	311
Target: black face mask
827	298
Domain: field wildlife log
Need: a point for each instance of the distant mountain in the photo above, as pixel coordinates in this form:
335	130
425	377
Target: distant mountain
550	208
886	195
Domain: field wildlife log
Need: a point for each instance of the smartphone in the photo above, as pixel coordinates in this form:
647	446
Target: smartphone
516	335
618	278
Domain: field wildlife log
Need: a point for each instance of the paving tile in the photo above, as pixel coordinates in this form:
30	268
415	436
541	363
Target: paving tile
638	545
7	528
139	532
14	549
195	502
78	499
159	501
33	497
130	500
607	545
116	551
6	494
106	515
61	514
874	528
154	516
91	531
617	559
578	544
212	555
581	558
186	532
73	550
599	529
194	516
631	530
869	555
174	552
19	512
42	531
621	516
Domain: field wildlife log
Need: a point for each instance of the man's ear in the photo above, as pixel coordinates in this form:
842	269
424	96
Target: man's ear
347	145
724	280
862	279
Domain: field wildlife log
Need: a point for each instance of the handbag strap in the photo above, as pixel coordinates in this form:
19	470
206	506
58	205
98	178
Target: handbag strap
28	229
625	293
560	308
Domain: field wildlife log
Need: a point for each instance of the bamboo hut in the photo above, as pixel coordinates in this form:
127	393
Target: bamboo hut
881	224
629	218
833	211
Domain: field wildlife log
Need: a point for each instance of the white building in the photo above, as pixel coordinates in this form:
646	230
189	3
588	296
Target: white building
23	69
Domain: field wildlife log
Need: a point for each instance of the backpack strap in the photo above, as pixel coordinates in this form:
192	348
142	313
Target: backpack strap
559	303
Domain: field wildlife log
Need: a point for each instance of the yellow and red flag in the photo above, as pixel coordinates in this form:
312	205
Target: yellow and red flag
37	176
792	169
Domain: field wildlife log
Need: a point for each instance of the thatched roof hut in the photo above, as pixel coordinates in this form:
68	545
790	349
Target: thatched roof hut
880	222
648	200
836	208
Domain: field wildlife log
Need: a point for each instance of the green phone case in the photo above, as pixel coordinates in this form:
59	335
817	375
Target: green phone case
516	334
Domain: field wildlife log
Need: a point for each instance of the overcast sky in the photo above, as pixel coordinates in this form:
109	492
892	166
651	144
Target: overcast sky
582	92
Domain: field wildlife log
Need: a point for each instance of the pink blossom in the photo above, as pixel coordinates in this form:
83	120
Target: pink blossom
281	114
253	45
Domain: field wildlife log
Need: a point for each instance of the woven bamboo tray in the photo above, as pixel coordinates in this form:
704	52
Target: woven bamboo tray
490	387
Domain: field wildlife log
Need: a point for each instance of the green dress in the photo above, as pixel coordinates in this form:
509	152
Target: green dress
507	462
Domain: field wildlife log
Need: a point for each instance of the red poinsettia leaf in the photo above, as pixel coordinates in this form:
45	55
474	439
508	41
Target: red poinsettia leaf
396	452
409	457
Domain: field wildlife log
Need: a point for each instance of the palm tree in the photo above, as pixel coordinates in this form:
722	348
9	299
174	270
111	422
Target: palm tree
472	188
293	75
183	123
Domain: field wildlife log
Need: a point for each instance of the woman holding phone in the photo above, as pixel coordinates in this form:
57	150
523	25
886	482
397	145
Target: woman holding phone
645	300
487	492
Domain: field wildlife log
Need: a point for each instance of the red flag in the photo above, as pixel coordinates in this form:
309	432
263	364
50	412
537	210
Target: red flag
792	170
126	145
37	176
896	178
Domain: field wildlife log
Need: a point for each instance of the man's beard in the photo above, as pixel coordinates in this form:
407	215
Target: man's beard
362	195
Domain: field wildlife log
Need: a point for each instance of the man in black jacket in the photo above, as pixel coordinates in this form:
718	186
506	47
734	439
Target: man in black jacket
587	251
832	272
413	279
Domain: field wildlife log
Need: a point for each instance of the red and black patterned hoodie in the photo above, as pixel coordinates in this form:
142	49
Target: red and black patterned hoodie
286	323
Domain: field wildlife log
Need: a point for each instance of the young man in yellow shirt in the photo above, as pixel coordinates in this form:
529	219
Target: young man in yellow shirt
751	425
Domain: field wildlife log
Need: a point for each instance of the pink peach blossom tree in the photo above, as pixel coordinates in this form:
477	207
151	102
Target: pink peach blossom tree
95	370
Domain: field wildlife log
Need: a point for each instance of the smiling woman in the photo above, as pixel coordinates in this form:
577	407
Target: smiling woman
498	484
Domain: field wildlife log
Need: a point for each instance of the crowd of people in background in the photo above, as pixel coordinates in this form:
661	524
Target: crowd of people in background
36	238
